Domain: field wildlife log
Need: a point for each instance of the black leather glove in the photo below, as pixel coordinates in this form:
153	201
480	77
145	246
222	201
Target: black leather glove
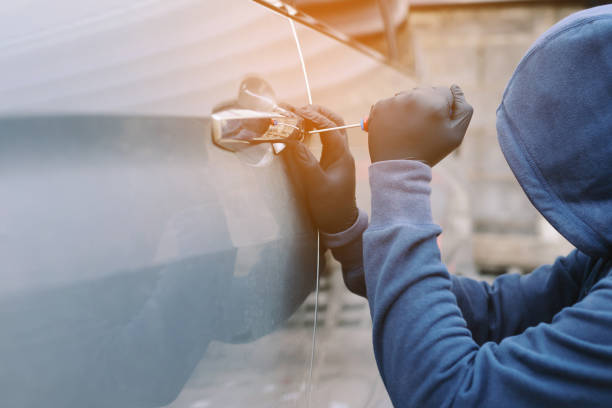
425	124
330	183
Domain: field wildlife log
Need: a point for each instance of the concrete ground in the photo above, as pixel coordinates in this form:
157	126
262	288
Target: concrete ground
345	373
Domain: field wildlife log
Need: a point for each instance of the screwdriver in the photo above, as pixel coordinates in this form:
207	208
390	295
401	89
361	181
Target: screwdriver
363	124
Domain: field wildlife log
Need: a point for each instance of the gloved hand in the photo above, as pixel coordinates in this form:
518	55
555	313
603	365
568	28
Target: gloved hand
330	183
425	124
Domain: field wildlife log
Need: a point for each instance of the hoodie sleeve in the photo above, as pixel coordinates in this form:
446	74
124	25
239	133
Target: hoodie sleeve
515	302
491	312
347	248
423	347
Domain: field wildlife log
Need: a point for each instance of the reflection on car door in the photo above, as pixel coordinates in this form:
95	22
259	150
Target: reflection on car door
139	257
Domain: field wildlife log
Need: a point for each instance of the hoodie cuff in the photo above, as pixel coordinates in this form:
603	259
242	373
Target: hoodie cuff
400	193
342	238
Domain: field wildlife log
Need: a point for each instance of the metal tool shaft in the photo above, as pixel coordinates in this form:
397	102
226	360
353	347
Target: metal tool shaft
335	128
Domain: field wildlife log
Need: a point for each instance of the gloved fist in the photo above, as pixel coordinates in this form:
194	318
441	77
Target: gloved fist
425	124
330	183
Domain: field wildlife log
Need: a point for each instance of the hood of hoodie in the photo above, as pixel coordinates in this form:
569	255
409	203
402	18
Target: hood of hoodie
554	126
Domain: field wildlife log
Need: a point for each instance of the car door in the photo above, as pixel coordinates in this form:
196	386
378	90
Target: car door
143	265
137	254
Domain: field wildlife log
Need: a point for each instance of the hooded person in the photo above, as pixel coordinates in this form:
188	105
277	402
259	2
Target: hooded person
541	339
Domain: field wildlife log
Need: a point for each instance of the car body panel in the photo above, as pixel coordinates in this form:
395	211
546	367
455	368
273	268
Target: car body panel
143	265
128	245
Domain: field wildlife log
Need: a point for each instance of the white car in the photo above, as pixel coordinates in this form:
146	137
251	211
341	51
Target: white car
137	255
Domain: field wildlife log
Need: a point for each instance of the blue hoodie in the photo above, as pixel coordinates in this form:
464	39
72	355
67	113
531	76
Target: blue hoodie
542	339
